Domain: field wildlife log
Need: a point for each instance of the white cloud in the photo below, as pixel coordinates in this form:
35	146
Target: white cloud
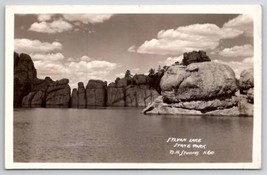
120	75
44	17
242	22
171	60
80	71
87	18
51	23
236	51
35	46
49	56
85	58
91	66
195	37
187	38
54	69
57	26
132	49
238	66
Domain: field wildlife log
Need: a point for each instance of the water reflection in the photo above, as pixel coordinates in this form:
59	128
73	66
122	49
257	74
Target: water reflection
124	135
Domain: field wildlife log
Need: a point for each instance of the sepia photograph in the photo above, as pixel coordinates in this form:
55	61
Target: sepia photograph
133	87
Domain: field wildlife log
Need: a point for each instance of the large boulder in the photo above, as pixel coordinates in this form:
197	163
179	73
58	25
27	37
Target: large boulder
96	93
198	81
246	80
58	94
24	76
194	57
115	96
137	96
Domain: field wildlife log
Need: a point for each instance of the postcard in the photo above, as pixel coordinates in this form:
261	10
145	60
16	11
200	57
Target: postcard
133	87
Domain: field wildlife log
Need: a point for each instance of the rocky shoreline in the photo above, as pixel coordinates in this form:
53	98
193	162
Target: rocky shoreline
194	86
130	91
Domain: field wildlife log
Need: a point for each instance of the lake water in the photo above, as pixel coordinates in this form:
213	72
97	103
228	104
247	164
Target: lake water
126	135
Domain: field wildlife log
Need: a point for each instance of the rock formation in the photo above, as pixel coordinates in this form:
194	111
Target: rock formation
96	93
29	91
246	80
37	95
139	96
246	94
74	98
81	95
205	87
24	75
115	95
131	92
197	86
58	94
139	79
198	81
78	97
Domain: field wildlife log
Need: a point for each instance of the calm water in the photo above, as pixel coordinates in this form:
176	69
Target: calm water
125	135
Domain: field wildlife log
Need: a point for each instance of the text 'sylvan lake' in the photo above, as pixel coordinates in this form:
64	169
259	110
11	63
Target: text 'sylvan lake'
124	135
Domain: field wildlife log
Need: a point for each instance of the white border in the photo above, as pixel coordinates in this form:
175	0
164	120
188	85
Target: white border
254	10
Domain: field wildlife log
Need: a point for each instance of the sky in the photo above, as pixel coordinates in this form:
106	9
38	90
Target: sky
103	46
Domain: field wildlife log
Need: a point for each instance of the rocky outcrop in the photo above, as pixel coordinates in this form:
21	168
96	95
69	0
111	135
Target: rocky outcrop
41	84
26	101
131	92
158	106
244	106
124	82
246	93
197	86
139	96
226	112
24	76
246	80
208	105
96	93
198	81
194	57
39	99
37	96
192	108
140	79
74	98
81	95
115	96
58	94
208	88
